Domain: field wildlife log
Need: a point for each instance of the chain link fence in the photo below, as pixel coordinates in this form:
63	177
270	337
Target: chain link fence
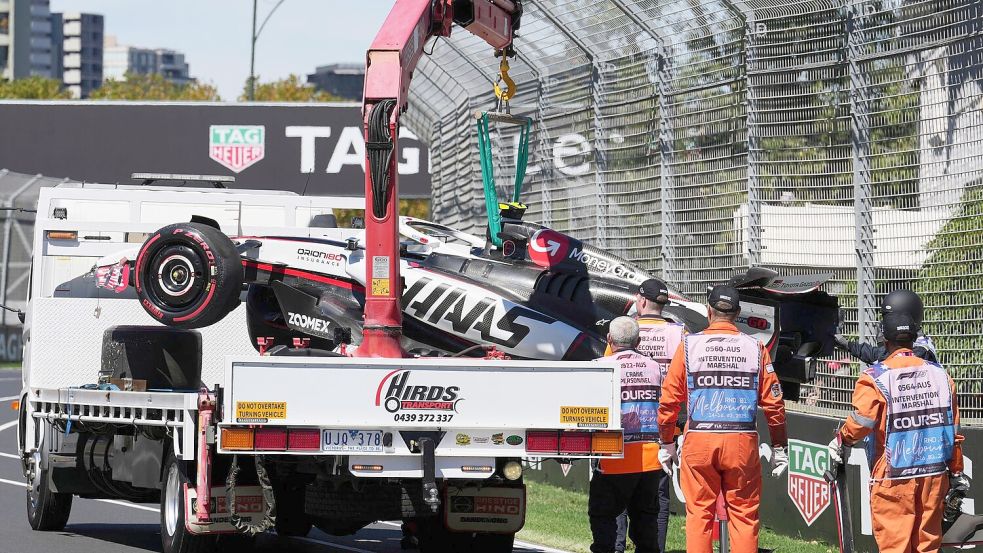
698	139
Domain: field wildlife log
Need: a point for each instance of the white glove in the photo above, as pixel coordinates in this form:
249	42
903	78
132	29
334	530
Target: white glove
835	452
959	482
779	461
667	457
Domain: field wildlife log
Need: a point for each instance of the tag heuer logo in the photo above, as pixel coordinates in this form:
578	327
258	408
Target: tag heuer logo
806	486
236	146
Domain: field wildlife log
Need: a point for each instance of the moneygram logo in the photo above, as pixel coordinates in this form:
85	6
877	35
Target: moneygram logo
236	146
806	487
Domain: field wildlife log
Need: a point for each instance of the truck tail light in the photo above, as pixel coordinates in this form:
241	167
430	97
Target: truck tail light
575	442
238	438
304	439
271	439
62	235
610	442
542	441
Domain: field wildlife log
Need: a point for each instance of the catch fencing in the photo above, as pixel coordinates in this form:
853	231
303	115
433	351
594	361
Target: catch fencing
699	138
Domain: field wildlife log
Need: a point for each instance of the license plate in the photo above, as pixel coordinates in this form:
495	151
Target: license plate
351	440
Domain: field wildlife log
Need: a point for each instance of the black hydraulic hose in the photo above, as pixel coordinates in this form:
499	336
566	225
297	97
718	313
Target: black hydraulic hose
380	149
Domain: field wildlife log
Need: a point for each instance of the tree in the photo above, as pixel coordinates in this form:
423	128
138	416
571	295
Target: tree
33	88
418	208
153	87
290	89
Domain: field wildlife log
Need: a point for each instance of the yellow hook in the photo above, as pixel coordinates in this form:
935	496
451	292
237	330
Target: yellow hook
507	94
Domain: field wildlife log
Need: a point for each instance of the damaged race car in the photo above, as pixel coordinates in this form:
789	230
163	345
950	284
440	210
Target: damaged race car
542	295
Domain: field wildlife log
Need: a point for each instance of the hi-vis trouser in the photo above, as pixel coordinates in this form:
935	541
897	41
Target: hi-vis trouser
720	453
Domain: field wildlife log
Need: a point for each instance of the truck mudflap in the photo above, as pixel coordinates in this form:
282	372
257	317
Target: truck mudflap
491	510
249	506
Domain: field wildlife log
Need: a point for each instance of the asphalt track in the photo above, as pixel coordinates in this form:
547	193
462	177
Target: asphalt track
103	526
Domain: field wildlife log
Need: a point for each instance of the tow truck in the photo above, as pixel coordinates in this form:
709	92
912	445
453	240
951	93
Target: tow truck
230	441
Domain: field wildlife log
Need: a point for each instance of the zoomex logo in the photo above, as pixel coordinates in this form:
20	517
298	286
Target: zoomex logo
398	392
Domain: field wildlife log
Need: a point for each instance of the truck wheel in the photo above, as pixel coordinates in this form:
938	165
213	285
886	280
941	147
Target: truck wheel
188	275
174	535
47	511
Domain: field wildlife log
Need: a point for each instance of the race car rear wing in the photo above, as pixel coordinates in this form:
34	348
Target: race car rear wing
793	317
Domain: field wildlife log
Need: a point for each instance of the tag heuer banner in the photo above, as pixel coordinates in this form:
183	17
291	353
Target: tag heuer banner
236	146
319	147
807	489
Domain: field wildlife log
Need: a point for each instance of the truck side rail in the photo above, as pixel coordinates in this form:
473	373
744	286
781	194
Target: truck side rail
175	412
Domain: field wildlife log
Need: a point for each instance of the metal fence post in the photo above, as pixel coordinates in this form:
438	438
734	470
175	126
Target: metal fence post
667	191
860	146
753	145
599	159
664	140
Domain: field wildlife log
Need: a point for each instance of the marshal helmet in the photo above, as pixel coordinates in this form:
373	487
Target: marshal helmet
903	301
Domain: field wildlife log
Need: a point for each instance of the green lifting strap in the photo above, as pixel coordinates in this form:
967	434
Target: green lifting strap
488	169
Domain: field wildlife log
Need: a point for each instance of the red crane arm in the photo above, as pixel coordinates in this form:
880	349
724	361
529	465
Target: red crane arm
389	67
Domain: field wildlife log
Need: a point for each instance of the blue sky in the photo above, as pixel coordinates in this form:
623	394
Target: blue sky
214	34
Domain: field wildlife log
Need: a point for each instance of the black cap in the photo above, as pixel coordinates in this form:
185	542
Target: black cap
725	299
655	290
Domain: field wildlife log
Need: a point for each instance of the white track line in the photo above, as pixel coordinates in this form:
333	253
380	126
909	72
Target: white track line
12	483
131	505
10	456
9	398
332	544
111	501
7	425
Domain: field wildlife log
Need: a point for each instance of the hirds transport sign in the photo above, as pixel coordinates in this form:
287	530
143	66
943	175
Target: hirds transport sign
806	487
236	147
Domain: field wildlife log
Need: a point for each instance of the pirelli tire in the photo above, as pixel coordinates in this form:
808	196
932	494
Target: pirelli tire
188	275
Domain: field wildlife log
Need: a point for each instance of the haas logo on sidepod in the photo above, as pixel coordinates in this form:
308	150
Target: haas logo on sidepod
401	394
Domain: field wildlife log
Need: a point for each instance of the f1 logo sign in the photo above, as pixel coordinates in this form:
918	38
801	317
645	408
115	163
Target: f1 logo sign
548	248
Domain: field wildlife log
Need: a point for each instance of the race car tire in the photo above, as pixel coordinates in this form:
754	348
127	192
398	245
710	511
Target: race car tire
188	275
166	358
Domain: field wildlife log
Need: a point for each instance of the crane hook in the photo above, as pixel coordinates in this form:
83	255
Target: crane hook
504	95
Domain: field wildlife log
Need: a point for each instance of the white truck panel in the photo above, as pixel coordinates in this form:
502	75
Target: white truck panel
456	393
71	330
